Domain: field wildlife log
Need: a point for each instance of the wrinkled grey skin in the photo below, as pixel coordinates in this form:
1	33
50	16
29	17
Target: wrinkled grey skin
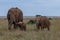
14	16
42	22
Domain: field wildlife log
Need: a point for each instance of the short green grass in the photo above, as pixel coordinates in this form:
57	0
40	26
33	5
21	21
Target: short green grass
31	33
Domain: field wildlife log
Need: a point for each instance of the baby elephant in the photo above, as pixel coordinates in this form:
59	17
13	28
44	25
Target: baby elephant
22	26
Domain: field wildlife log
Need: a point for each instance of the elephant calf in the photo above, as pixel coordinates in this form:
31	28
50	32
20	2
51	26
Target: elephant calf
42	22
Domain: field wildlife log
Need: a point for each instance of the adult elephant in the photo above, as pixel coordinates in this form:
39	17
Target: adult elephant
42	22
14	16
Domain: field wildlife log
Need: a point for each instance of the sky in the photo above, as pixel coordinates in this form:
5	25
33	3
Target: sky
32	7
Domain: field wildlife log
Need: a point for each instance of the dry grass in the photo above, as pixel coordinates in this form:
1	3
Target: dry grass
32	33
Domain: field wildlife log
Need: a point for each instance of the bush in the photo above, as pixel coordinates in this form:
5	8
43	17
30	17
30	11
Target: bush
50	18
31	22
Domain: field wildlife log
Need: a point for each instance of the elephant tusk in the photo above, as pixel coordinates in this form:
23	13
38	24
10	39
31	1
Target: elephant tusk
20	22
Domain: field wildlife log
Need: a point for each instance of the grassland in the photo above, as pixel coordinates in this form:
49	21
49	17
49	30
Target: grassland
31	33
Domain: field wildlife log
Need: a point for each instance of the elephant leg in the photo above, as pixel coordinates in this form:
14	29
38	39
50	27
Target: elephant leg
15	26
20	27
10	25
38	27
42	27
48	28
24	28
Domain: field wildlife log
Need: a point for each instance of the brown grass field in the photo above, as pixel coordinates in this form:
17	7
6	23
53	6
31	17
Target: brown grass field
31	33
